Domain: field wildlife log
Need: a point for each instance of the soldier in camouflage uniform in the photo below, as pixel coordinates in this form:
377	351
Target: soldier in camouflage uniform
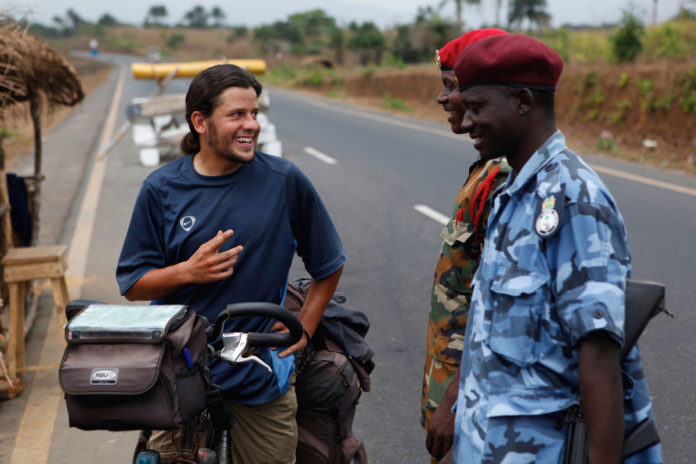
547	315
459	257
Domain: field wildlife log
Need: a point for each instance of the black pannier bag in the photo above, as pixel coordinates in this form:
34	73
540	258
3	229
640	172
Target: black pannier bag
332	372
134	367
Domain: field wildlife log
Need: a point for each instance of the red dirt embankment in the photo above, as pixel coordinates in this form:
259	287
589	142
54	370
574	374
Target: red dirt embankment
636	103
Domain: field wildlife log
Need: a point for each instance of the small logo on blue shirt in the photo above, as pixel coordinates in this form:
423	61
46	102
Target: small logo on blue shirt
187	222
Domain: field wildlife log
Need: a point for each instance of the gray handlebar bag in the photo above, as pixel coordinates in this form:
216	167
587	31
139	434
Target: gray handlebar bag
134	367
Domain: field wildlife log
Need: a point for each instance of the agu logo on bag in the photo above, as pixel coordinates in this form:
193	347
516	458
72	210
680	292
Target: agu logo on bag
104	376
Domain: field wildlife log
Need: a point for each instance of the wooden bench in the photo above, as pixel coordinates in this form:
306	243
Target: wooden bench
22	265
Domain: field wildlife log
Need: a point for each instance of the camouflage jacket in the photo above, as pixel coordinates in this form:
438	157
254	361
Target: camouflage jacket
553	269
462	240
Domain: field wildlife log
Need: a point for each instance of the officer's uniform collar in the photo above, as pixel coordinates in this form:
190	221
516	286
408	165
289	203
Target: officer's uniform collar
542	157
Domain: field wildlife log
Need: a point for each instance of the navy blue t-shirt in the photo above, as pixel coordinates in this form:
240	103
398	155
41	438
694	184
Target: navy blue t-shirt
274	212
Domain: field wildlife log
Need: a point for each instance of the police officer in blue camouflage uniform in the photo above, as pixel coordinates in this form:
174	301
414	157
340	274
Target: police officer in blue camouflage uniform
546	319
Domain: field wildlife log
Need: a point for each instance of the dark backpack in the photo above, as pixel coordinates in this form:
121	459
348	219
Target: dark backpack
332	372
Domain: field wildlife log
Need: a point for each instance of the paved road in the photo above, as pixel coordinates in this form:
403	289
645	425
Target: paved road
384	167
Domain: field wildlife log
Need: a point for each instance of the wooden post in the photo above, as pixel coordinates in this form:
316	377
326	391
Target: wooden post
36	200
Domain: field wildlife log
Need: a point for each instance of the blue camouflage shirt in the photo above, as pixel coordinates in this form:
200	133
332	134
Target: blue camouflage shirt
553	269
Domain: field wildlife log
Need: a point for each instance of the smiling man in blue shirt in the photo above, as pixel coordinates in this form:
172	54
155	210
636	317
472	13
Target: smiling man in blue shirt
546	320
221	225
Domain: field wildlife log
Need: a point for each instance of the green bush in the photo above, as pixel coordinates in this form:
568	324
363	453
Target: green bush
607	142
397	104
6	133
283	76
591	79
673	39
647	100
367	72
623	80
589	46
688	103
395	62
664	103
615	118
687	100
559	40
623	105
596	98
313	79
591	115
627	42
337	81
237	32
175	40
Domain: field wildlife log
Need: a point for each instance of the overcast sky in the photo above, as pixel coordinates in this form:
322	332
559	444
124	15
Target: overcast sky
385	13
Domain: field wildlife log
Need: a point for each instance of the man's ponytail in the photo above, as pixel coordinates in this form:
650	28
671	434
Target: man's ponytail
190	144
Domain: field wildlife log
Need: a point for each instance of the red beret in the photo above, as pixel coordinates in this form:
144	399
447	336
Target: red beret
445	56
514	60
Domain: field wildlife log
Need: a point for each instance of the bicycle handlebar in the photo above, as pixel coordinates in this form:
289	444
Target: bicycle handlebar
261	340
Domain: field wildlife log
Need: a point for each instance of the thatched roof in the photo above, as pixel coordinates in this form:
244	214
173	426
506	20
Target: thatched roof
29	67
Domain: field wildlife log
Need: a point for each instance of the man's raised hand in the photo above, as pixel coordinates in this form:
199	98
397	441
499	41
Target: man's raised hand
209	264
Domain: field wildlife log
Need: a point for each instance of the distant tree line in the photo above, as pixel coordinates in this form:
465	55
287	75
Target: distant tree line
316	33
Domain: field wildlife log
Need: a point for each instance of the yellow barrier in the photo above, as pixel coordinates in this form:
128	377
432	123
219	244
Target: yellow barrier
190	68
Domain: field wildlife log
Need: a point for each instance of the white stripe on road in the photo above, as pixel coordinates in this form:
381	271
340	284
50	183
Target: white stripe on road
432	214
319	155
645	180
34	437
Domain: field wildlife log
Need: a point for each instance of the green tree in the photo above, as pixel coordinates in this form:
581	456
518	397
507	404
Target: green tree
107	20
156	15
367	41
627	42
532	10
196	17
278	37
237	32
315	26
218	16
418	42
337	42
403	47
313	23
76	20
60	23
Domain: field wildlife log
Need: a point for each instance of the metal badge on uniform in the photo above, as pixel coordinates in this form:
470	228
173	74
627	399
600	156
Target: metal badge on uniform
549	213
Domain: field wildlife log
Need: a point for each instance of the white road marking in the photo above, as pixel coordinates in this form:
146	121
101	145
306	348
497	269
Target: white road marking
33	440
432	214
645	180
465	137
319	155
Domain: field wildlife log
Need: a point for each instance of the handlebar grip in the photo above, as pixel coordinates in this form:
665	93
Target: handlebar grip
262	309
265	340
